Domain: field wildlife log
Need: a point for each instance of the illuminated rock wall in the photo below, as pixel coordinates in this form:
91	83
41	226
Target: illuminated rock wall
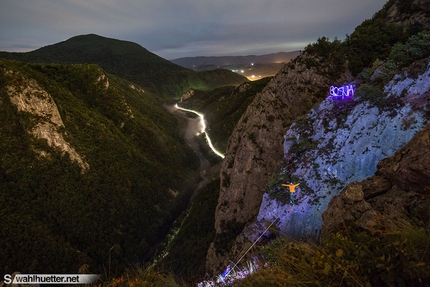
345	147
253	154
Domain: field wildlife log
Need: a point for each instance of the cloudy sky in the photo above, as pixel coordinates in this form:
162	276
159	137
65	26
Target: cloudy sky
182	28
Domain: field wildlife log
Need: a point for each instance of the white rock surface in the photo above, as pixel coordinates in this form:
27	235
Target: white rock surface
345	151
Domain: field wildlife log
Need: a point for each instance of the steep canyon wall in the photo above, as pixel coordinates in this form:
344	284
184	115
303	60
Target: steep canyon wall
336	143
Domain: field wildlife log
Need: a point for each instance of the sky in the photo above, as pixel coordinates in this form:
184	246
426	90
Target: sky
184	28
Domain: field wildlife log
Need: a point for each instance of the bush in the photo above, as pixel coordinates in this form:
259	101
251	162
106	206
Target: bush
371	93
140	277
417	47
351	257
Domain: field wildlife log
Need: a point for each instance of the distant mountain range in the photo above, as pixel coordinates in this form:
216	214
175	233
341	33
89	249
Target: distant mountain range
129	61
281	57
252	66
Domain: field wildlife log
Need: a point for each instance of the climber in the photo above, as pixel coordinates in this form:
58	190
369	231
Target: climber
292	186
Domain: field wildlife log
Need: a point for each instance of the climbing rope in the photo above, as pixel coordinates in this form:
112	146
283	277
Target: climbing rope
255	242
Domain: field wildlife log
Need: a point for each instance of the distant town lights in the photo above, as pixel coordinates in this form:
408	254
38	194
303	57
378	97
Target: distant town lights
342	92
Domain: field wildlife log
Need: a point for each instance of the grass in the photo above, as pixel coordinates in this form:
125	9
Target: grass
385	255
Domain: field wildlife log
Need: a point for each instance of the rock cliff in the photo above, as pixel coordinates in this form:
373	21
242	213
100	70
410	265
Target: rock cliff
340	142
255	150
410	12
399	190
28	96
294	132
337	143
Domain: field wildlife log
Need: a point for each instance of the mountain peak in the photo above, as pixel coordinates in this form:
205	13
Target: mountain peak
130	61
87	47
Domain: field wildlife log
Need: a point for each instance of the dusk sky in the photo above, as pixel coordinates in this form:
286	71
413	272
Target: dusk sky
183	28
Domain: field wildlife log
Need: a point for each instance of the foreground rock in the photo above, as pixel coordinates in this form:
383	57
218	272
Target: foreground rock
399	190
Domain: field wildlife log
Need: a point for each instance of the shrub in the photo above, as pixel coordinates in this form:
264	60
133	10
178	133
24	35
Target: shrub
351	257
417	47
371	93
144	277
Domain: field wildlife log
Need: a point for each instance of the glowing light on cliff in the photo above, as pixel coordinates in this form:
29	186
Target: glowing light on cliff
342	92
203	130
233	272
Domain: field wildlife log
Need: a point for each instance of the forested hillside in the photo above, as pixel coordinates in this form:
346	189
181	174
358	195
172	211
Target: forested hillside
130	61
92	169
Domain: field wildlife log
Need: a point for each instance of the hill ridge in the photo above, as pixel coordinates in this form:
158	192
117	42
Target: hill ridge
130	61
279	57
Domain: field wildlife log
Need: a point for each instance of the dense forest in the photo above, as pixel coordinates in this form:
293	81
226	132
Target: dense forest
55	216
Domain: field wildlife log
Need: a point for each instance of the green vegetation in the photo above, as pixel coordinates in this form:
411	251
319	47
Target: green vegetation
327	57
384	255
129	61
193	237
352	257
374	39
55	217
403	58
417	47
372	94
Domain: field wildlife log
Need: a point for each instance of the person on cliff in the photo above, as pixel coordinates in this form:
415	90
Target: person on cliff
292	187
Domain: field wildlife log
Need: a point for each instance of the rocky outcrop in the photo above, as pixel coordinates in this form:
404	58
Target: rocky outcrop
255	150
187	95
410	13
28	96
331	144
338	143
399	190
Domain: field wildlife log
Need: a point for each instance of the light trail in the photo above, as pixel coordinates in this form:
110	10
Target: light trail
203	130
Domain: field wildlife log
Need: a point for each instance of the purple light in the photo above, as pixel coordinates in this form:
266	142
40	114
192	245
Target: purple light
342	92
226	271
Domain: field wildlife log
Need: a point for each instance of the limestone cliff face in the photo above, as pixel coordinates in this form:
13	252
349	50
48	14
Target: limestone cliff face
28	96
255	150
399	190
339	143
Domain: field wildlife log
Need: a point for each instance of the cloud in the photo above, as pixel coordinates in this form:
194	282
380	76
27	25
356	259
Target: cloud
185	27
